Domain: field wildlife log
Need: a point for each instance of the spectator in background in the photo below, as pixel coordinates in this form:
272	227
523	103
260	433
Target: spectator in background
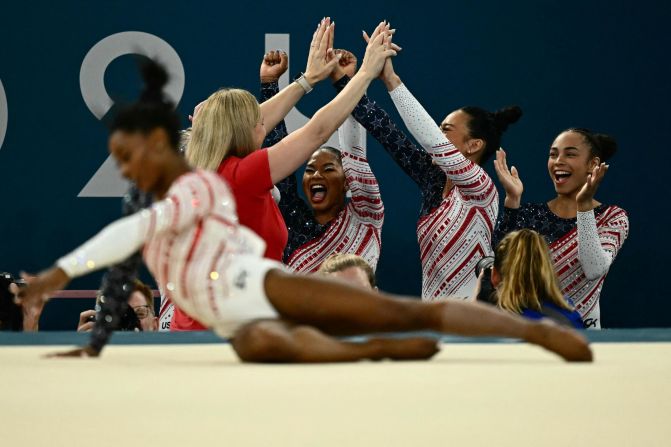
350	268
15	317
525	280
141	302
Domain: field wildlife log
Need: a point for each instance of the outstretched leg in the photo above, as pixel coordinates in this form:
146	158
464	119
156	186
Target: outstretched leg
337	308
273	341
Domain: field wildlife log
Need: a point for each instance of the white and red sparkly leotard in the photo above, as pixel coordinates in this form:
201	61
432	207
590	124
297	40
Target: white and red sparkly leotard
453	232
203	260
456	234
582	249
356	229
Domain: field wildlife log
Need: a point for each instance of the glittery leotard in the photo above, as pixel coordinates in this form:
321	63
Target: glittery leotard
356	229
454	232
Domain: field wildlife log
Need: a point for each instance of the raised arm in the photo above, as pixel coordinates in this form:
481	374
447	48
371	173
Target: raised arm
470	178
320	64
414	161
287	155
273	66
362	184
292	206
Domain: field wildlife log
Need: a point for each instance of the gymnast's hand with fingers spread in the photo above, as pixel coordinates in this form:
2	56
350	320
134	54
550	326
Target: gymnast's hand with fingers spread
387	75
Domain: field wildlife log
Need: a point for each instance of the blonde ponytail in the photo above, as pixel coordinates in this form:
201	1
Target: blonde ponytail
528	276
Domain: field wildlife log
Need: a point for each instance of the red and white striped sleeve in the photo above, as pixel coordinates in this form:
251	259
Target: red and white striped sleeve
366	200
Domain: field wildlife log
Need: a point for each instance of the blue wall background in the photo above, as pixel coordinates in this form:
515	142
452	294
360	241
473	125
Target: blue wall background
602	65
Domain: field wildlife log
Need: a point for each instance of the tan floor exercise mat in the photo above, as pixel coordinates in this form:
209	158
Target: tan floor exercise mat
470	394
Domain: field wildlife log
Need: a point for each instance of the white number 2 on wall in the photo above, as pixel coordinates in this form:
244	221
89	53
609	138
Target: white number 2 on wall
107	182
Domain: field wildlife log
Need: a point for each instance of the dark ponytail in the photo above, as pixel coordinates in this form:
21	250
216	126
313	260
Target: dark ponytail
152	110
601	145
489	126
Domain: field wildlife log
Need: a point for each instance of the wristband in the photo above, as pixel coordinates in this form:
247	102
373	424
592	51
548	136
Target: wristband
304	83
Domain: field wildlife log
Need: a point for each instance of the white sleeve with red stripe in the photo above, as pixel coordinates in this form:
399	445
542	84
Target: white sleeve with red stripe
361	181
190	197
597	247
471	179
113	244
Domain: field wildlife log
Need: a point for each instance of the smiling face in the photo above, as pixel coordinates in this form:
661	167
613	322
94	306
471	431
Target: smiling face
455	128
324	182
569	162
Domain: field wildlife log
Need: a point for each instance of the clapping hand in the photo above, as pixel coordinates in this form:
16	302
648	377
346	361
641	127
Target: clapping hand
585	197
510	180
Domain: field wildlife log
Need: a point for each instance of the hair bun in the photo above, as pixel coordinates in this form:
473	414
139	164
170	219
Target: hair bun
506	116
607	144
155	78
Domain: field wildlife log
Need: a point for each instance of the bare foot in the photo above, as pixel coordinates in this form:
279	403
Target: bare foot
568	343
406	348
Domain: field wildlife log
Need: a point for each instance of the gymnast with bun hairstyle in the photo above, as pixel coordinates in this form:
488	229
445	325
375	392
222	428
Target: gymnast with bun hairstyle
583	234
214	270
459	200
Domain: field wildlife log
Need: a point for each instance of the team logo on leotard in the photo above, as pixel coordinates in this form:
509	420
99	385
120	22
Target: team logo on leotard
240	280
590	322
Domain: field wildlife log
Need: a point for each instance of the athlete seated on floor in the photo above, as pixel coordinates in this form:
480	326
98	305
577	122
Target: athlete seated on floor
212	268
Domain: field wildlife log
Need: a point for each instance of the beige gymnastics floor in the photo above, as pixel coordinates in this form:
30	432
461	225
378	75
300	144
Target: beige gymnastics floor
470	394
